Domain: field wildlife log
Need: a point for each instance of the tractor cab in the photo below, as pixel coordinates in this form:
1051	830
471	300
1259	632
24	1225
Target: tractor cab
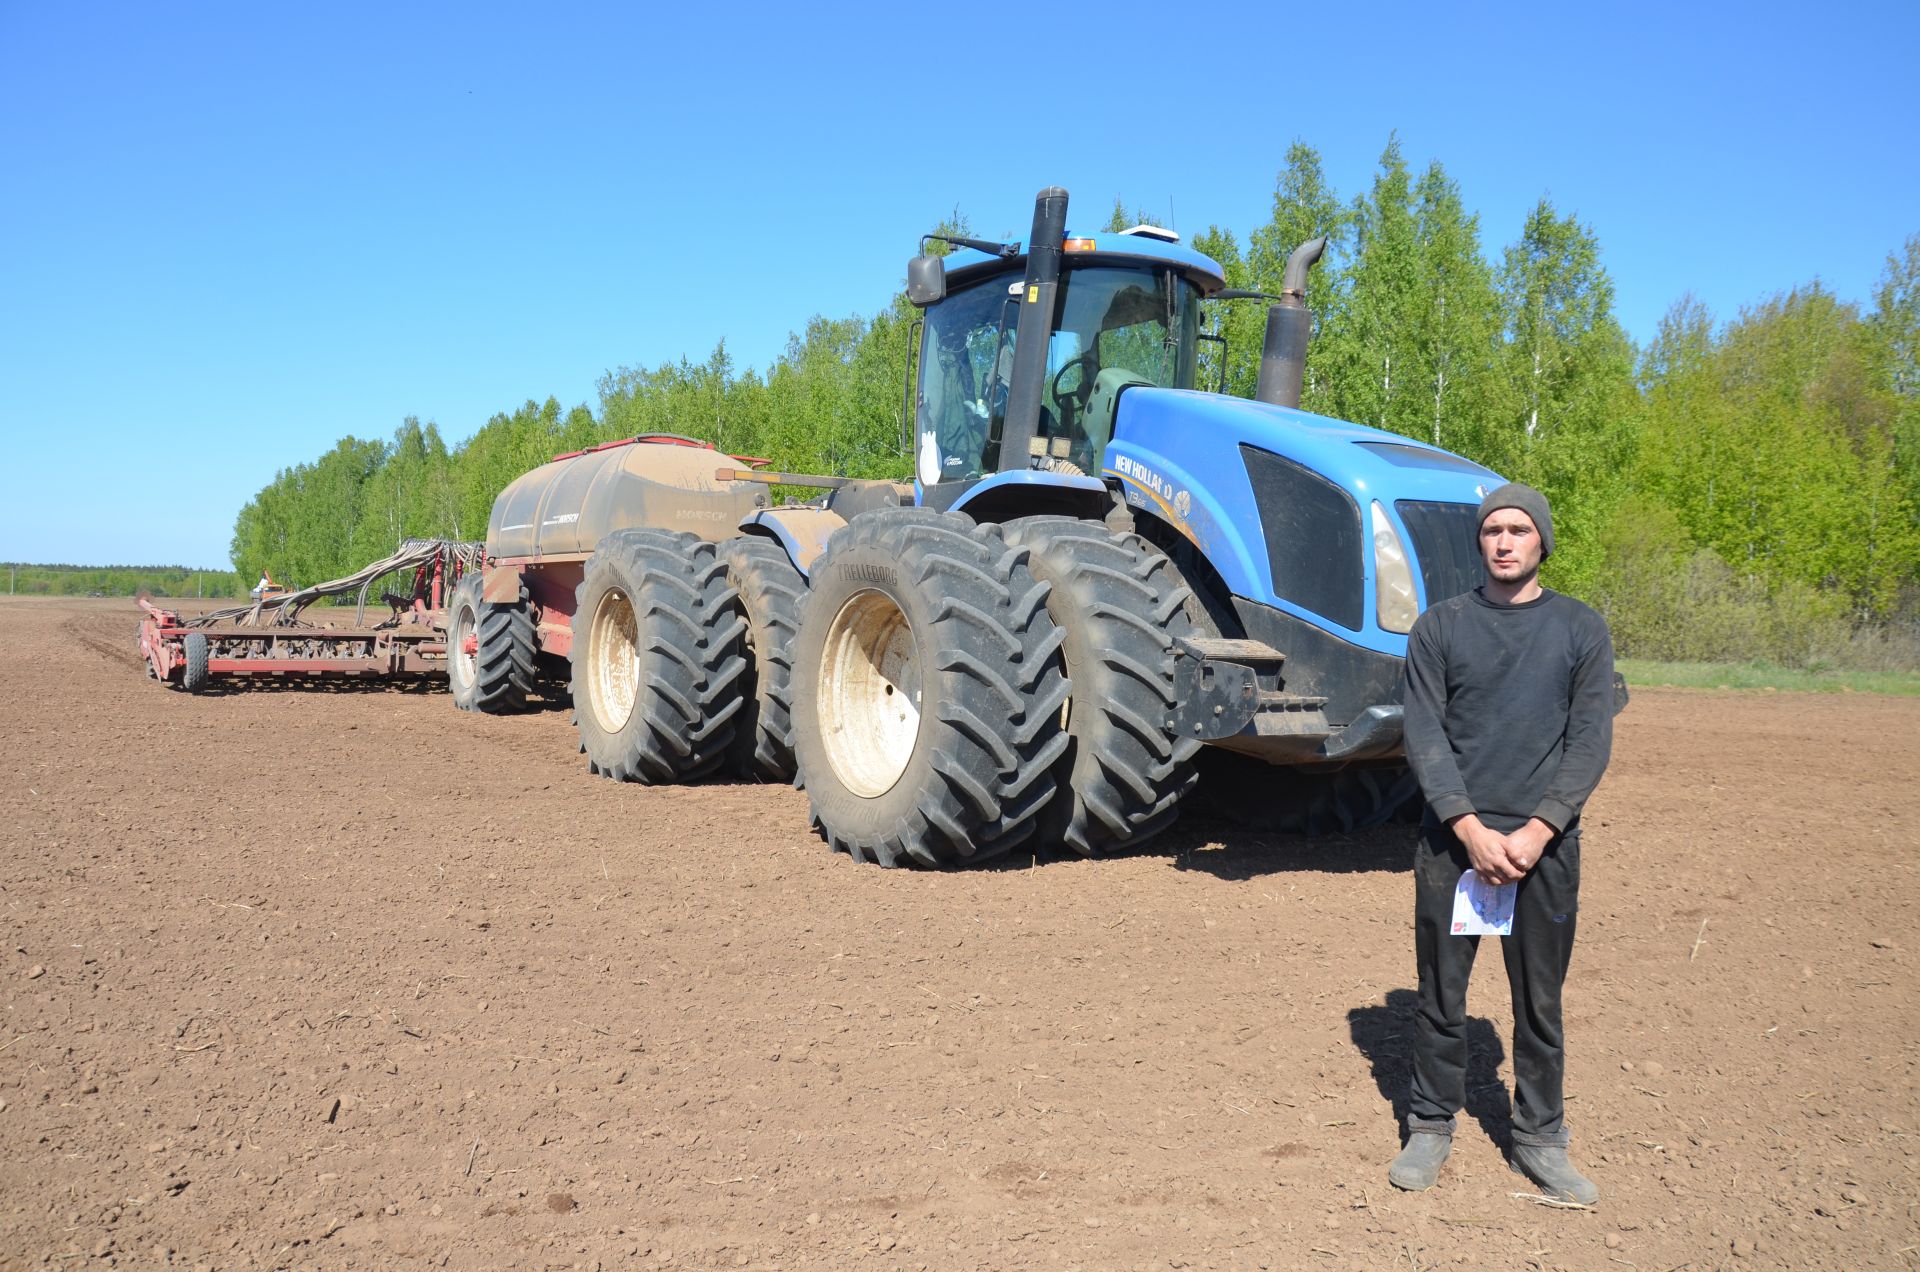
1125	312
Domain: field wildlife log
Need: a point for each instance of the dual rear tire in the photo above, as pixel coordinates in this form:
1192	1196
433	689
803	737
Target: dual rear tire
497	673
771	591
1118	602
928	692
658	658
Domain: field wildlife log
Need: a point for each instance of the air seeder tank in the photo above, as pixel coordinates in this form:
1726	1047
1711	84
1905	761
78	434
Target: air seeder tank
547	523
564	508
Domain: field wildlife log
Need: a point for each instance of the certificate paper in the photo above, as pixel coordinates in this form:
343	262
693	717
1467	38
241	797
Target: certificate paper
1480	909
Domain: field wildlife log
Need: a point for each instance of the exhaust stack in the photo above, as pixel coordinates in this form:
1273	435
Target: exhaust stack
1283	357
1038	300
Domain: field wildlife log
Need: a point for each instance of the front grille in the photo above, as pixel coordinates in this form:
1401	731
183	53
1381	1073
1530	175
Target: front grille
1312	529
1446	542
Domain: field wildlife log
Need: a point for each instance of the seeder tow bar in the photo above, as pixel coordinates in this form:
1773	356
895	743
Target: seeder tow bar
269	637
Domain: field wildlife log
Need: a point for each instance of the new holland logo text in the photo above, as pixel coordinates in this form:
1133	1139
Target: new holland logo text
1182	501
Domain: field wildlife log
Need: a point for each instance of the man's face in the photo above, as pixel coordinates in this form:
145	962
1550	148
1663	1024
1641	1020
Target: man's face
1510	545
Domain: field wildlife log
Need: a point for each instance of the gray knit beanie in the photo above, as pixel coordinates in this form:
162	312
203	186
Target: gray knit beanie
1527	500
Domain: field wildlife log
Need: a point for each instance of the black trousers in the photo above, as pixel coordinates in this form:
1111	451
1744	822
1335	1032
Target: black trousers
1537	954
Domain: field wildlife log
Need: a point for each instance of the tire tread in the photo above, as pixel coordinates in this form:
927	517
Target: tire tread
1126	775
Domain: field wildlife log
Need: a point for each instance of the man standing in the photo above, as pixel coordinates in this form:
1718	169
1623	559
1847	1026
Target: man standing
1509	722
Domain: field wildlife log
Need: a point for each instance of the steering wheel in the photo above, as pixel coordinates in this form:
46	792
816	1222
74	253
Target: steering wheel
1073	402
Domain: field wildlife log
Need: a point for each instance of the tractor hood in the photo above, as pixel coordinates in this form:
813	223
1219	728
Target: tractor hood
1281	501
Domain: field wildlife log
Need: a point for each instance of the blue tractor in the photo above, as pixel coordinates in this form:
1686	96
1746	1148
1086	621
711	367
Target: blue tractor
1212	571
1099	570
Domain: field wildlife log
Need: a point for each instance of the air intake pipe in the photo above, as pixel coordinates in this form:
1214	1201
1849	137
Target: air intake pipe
1038	299
1283	358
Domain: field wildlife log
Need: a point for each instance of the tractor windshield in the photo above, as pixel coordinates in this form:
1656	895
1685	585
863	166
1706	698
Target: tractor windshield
1118	326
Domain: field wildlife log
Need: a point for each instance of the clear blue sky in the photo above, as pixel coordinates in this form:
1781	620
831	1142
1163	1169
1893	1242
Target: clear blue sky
230	234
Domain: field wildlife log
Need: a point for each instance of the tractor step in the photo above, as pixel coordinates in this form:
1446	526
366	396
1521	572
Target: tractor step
1248	653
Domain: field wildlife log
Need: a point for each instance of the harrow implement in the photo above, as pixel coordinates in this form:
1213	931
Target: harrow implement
272	637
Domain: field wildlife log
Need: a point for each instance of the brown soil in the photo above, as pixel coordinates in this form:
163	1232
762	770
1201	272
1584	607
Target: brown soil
348	979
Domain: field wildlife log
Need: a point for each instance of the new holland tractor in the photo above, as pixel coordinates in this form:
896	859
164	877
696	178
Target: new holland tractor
1097	569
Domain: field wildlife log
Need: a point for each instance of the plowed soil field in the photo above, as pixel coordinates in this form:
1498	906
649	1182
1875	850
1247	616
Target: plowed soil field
351	979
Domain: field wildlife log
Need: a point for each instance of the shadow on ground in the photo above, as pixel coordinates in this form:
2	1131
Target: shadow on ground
1383	1033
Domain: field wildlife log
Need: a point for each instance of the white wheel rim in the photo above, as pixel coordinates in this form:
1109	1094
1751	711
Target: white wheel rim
613	661
463	662
869	694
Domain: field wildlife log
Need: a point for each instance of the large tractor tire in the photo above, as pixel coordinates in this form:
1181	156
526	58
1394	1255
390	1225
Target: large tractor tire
771	590
1304	800
498	674
657	661
927	691
194	675
1120	603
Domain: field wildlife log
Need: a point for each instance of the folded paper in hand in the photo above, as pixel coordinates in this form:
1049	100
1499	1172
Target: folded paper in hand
1480	909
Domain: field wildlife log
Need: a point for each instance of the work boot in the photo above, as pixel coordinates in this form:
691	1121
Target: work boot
1543	1159
1428	1143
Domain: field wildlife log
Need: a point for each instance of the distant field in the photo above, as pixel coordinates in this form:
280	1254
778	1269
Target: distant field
118	580
1758	676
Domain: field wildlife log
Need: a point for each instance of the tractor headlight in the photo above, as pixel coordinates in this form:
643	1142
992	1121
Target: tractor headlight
1393	597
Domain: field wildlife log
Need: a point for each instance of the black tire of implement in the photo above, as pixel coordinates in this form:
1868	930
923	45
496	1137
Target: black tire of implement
1120	602
690	634
982	768
1305	801
194	675
771	591
504	655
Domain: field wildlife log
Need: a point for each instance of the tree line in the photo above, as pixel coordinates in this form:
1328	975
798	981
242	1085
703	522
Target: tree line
1760	469
22	579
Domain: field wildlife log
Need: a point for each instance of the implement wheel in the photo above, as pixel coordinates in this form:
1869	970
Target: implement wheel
771	591
1120	602
194	675
658	668
927	691
497	674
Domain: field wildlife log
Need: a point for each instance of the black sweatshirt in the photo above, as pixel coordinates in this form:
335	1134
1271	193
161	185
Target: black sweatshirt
1509	708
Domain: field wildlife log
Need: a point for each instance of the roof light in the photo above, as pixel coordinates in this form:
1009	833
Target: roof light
1077	245
1153	232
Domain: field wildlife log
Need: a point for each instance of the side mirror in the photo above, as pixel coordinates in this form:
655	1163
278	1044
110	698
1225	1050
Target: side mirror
926	280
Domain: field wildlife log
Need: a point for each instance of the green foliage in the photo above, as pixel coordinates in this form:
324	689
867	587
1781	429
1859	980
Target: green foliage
1367	341
1776	444
1896	352
22	579
1304	207
1572	419
1766	677
1121	219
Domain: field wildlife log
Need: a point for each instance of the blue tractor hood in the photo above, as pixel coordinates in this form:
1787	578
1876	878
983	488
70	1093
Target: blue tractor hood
1260	489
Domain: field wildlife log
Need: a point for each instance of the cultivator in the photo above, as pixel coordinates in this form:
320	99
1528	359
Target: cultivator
271	637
